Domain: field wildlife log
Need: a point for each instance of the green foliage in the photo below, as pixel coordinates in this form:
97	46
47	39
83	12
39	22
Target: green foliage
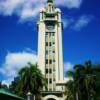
29	79
70	90
86	82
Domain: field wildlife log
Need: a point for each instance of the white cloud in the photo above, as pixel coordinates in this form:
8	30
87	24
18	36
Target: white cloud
68	66
69	3
68	79
78	23
7	81
27	9
67	22
14	62
83	21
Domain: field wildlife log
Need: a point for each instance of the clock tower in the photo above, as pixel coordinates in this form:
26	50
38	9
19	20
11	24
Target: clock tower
50	55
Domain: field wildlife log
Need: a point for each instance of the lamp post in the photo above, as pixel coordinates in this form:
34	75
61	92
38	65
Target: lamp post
29	96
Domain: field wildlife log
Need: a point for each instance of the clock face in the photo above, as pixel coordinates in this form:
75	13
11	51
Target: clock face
50	27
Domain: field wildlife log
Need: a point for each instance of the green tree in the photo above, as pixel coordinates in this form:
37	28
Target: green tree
70	90
30	79
96	71
84	81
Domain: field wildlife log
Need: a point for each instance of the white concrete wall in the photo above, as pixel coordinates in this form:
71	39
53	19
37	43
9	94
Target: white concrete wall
41	46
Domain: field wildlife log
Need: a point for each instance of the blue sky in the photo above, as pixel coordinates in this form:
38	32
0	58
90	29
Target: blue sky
19	36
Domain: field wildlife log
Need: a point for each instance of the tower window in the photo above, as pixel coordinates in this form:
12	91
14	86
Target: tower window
46	51
50	61
53	60
46	43
53	34
50	70
53	51
53	43
50	26
46	33
49	43
50	80
50	52
46	71
46	61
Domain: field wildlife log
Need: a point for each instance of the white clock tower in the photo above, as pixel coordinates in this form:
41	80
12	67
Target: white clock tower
50	55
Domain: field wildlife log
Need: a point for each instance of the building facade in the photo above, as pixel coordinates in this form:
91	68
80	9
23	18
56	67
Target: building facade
50	55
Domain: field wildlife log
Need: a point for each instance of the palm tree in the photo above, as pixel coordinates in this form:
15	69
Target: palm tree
70	90
30	79
83	80
71	86
96	71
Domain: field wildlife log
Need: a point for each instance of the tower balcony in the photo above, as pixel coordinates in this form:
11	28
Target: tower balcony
50	19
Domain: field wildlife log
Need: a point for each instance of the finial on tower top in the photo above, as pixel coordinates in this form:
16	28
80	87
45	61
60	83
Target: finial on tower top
49	1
